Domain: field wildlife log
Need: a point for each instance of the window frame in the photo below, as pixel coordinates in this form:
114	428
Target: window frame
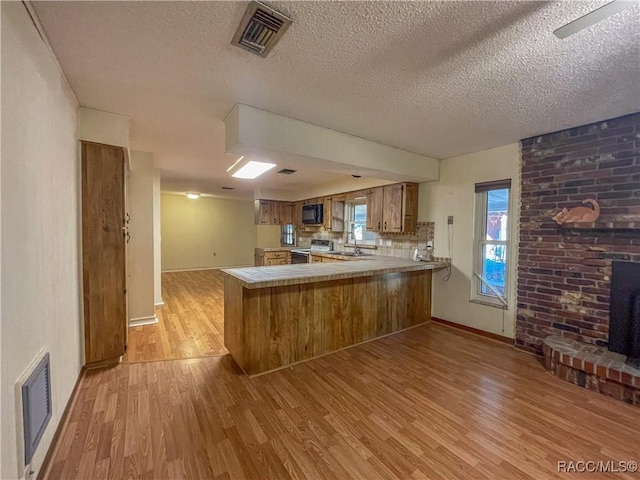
284	234
480	242
350	222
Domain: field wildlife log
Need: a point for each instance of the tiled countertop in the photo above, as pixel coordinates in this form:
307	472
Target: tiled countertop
275	249
261	277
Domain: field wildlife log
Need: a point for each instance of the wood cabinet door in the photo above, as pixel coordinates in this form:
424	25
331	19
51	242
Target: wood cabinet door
326	213
264	212
374	209
410	208
337	215
297	215
286	213
104	252
392	208
274	219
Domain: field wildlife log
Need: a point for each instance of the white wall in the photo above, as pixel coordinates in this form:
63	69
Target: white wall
207	232
40	214
103	127
157	245
140	254
454	195
268	236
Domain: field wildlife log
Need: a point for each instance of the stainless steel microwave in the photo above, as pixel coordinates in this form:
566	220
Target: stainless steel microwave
312	214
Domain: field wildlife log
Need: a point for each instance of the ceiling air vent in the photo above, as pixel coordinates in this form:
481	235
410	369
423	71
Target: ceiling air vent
260	29
287	171
228	188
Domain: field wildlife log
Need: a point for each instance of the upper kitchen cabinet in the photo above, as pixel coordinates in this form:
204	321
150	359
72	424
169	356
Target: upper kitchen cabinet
333	213
264	212
326	213
297	215
393	208
374	209
271	212
285	213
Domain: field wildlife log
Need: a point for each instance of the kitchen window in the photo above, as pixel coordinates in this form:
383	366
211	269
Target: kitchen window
287	235
357	223
489	282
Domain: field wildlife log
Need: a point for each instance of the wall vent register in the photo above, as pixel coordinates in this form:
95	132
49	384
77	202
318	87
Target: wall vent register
36	406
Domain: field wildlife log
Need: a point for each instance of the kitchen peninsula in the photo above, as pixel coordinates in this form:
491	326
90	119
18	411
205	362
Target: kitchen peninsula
281	315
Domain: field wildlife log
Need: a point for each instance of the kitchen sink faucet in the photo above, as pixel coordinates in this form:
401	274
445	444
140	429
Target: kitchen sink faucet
356	249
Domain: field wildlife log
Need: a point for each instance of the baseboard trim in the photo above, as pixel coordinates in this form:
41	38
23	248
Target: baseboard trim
138	322
53	446
160	304
482	333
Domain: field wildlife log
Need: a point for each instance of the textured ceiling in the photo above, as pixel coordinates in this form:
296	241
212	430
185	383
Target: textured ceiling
436	78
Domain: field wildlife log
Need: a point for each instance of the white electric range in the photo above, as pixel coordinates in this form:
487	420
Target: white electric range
303	255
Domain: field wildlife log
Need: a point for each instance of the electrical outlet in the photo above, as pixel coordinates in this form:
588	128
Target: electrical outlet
450	220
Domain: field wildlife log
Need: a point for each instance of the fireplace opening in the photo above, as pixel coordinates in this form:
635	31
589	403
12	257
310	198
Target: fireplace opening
624	320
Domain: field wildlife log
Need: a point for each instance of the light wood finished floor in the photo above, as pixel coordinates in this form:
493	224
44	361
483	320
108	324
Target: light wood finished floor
190	323
427	403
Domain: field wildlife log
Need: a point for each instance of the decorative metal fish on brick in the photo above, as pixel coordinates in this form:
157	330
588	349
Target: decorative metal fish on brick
578	214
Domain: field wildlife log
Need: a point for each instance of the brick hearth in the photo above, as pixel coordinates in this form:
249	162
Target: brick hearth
592	367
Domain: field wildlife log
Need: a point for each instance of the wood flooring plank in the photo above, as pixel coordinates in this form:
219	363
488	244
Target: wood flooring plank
190	323
427	403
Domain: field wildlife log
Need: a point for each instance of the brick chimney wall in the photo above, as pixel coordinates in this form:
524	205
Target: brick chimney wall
564	272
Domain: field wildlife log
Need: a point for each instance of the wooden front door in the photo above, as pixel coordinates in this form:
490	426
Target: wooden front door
104	252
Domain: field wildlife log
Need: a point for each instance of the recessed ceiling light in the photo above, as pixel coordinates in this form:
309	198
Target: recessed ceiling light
193	195
249	169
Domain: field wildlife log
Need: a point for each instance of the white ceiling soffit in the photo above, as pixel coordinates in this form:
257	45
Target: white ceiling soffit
436	78
265	136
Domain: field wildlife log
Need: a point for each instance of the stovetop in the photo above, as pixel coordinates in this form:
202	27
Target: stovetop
316	246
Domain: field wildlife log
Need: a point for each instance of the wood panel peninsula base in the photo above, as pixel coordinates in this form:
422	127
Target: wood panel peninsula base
305	311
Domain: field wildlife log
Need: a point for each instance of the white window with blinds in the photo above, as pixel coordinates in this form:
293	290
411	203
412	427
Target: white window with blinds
287	235
489	284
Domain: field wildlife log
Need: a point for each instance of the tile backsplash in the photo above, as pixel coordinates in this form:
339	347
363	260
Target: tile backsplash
391	244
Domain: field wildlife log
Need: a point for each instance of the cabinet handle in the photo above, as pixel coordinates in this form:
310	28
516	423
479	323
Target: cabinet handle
385	224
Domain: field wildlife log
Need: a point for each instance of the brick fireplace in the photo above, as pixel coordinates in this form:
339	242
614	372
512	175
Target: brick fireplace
564	271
